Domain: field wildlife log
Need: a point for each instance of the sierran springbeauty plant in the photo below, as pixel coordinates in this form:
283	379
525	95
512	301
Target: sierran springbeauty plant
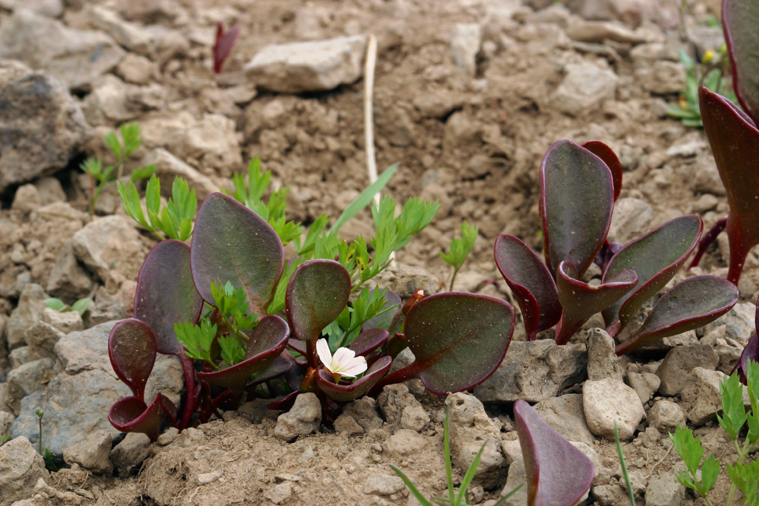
216	305
734	136
578	188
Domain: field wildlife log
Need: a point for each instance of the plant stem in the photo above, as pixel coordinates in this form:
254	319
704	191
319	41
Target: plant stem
447	451
40	420
453	278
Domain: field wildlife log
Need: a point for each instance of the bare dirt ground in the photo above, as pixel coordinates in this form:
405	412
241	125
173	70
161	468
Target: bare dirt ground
470	136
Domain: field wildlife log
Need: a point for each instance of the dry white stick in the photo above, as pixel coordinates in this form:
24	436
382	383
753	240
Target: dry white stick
371	161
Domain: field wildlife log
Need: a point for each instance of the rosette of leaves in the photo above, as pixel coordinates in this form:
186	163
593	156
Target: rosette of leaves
578	188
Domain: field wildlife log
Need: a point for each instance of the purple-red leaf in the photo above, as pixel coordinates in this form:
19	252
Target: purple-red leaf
530	282
655	257
458	339
351	391
232	243
558	474
735	145
750	352
368	341
223	46
131	414
740	19
317	293
280	366
576	203
132	350
580	300
688	305
606	154
267	341
166	293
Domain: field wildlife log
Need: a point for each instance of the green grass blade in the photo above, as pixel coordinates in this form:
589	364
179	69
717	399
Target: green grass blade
365	197
447	452
624	466
469	476
508	496
411	487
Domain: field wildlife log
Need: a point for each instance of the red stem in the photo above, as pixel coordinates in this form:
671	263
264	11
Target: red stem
189	378
707	240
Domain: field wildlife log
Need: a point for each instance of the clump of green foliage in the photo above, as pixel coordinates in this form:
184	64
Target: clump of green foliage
79	306
711	73
460	249
122	150
701	474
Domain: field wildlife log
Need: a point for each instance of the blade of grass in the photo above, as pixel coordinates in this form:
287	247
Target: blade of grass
447	452
469	476
508	496
365	197
411	487
624	466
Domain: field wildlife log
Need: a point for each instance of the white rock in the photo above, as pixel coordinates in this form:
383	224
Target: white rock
585	87
303	419
49	8
703	395
169	167
92	453
308	66
465	44
136	69
608	401
631	217
666	416
20	468
211	144
131	36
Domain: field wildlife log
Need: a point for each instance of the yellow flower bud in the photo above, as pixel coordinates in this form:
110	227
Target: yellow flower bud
708	56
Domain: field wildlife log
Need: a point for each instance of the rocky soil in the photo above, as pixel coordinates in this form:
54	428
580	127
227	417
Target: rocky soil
469	94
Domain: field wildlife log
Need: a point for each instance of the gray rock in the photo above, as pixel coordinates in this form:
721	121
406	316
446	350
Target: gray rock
739	323
517	476
702	394
130	453
169	167
303	419
405	442
92	453
68	280
4	398
414	418
666	416
602	361
630	218
69	321
405	280
308	66
597	31
210	143
29	311
662	77
26	199
534	371
20	468
136	69
565	415
584	88
465	44
49	8
76	57
41	339
130	35
6	421
27	379
19	357
608	401
44	125
50	190
383	484
644	384
346	425
679	361
110	247
609	495
664	490
364	412
394	400
470	428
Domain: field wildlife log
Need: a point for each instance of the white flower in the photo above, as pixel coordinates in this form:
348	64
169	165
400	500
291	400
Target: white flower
343	363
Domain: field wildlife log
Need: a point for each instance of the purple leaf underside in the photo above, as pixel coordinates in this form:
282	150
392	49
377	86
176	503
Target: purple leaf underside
580	300
557	473
131	414
530	282
368	341
690	304
351	391
608	156
132	350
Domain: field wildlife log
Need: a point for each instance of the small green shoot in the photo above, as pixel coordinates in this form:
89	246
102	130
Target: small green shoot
691	451
197	340
460	249
709	72
79	306
369	304
49	462
122	150
453	499
622	462
174	219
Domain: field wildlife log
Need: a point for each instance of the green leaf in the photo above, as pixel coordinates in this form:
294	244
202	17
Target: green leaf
93	167
469	475
50	462
460	248
197	339
746	478
709	473
142	173
689	448
231	351
411	487
733	412
55	304
364	198
113	144
312	235
81	305
130	199
130	133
